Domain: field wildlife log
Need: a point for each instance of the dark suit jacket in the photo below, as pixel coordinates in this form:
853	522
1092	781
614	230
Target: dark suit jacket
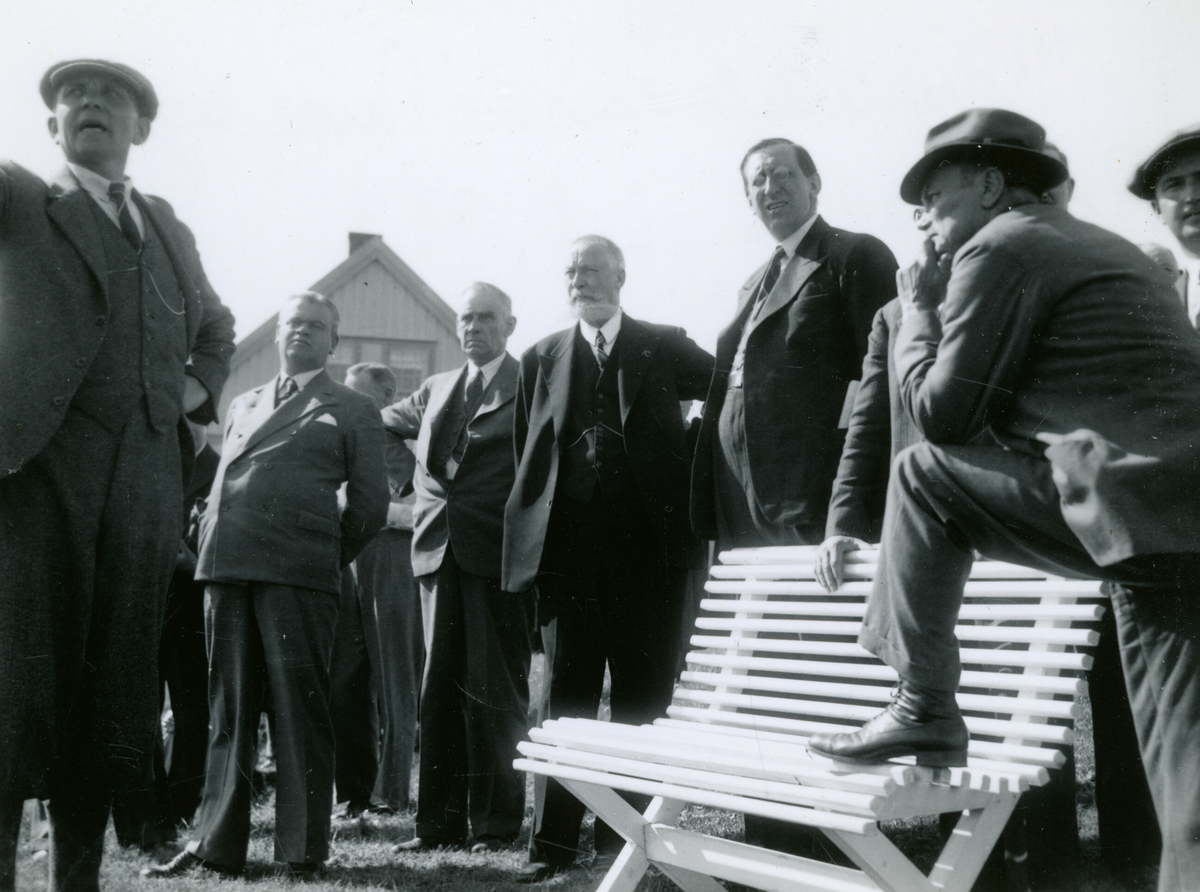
1054	325
467	511
54	303
659	366
272	514
805	347
880	427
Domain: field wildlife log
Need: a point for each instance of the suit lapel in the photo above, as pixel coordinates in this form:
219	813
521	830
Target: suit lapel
807	260
318	392
163	226
72	209
556	365
435	411
636	345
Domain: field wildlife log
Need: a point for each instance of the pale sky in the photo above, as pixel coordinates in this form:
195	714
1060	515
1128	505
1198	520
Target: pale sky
480	138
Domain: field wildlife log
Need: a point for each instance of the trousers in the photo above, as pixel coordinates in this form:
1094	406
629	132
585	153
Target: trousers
945	501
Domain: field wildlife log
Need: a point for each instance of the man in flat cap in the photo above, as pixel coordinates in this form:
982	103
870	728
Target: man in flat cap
1056	380
1170	180
109	335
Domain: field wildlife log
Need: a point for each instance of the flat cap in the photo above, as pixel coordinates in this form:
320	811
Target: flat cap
1004	138
142	89
1145	178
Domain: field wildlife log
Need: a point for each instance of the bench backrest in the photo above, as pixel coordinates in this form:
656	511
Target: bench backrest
777	655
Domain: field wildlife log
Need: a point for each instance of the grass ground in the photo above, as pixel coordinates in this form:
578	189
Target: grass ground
362	856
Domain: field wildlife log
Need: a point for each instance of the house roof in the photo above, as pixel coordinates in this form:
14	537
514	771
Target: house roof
370	251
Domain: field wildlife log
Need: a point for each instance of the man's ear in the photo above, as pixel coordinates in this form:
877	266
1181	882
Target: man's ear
1153	205
620	278
815	179
333	342
994	187
141	131
511	326
52	126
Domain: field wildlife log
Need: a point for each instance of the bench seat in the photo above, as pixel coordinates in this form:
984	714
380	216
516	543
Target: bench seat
775	660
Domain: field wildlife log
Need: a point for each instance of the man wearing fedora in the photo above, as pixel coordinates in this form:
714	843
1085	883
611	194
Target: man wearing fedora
110	334
1170	180
1055	378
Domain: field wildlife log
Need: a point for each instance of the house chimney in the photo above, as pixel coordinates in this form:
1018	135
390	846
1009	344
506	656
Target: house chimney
358	239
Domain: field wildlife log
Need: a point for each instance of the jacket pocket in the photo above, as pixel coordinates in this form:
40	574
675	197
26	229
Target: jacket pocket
306	520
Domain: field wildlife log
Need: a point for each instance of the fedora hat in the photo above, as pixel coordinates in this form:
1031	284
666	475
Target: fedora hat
139	85
1145	178
1006	139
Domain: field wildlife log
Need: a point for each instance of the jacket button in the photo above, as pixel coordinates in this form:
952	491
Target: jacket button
58	401
267	466
224	507
80	362
100	320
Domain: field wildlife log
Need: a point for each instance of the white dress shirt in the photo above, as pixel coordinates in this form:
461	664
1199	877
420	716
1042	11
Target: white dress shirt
611	329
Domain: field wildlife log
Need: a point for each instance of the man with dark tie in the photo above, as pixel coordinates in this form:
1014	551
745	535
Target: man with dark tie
478	637
787	365
786	373
273	544
598	516
109	335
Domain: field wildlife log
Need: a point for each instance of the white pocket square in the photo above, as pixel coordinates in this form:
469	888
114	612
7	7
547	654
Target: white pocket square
327	419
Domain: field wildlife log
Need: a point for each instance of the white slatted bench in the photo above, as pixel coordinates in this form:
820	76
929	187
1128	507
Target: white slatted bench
775	660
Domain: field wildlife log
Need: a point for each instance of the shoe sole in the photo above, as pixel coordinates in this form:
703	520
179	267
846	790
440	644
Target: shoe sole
925	758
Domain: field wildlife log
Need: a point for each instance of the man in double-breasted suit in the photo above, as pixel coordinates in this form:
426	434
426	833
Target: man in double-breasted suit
273	544
478	637
109	334
788	363
1055	379
598	516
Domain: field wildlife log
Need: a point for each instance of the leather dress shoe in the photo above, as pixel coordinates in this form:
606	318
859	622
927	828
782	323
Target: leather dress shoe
304	871
423	844
920	722
538	871
184	862
487	844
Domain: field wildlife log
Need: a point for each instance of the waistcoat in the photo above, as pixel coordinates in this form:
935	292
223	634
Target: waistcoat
144	352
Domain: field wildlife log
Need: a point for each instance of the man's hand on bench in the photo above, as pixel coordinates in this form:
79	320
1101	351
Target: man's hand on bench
831	558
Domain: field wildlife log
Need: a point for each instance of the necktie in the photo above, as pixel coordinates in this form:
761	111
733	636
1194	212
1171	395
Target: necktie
286	389
772	275
471	401
601	354
116	194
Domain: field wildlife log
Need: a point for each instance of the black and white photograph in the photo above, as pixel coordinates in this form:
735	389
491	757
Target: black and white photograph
464	446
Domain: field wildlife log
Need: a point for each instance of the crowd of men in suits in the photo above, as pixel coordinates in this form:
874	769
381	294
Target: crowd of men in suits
1029	389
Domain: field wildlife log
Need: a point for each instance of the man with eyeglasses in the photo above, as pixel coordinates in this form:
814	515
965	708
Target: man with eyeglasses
1055	379
109	335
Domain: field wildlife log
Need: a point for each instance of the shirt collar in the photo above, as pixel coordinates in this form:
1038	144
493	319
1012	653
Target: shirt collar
96	185
792	242
301	378
488	369
611	329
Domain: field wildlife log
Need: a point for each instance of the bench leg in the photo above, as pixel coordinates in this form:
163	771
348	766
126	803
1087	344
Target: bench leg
973	839
886	865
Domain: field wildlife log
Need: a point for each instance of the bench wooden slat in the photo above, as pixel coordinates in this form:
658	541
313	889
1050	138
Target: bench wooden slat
801	627
982	611
968	655
794	814
876	695
852	713
997	681
810	796
698	747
